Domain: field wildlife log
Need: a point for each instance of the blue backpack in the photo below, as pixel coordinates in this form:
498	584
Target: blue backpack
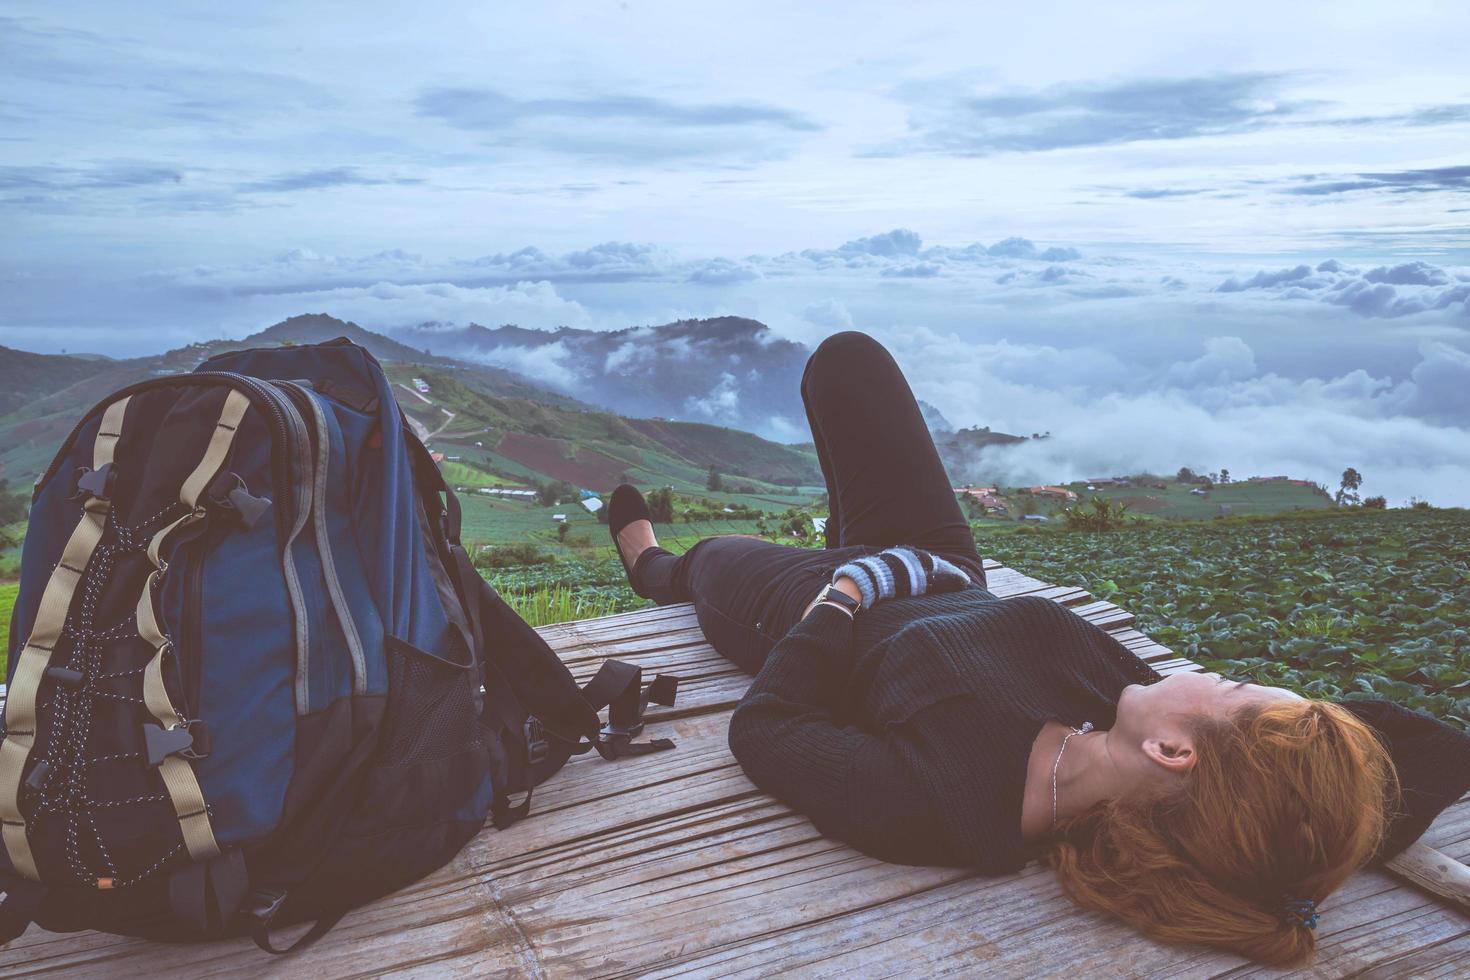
254	678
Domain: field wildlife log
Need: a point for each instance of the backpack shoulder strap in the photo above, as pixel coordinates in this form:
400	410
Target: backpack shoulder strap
178	775
35	655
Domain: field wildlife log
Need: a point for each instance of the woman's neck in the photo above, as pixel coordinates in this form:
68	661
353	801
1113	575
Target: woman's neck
1086	774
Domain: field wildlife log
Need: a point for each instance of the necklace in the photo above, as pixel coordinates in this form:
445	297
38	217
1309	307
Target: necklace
1086	727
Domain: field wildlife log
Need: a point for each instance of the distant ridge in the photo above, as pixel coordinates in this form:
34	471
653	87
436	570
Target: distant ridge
696	394
728	370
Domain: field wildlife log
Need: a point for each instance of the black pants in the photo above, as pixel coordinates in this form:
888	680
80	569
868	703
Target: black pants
885	484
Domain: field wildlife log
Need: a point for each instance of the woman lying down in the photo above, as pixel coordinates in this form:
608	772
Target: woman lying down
911	713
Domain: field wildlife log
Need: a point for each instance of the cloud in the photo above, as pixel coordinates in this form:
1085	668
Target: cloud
919	270
1216	409
1024	248
102	176
1389	292
626	127
722	404
899	242
1438	388
723	272
386	305
1430	180
547	363
115	76
316	179
957	123
1154	193
488	109
1265	280
1225	359
828	314
1409	274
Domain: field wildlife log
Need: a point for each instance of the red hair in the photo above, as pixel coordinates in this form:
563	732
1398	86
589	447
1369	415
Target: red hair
1286	800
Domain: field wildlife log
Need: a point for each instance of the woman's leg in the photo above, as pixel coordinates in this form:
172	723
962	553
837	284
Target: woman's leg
739	586
885	482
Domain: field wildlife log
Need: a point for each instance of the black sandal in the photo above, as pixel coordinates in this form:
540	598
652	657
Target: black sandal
626	506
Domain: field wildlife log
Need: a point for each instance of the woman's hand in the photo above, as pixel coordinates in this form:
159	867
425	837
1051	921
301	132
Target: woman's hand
844	585
901	571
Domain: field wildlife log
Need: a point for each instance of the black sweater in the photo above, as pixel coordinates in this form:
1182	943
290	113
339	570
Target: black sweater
907	733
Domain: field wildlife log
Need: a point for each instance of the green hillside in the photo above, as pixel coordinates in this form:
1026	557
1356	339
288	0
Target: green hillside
1173	501
522	442
554	437
8	593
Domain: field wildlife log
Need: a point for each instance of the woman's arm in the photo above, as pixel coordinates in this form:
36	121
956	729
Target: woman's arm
860	788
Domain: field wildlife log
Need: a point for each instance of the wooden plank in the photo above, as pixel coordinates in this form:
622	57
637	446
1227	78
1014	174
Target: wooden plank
675	864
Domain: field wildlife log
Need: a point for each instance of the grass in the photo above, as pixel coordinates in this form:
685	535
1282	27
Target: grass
7	602
546	605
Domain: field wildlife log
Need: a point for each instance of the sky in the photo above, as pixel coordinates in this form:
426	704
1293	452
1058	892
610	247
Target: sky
1168	233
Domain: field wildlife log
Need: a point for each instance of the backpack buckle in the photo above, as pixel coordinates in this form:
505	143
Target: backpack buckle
36	781
90	483
229	493
189	741
536	745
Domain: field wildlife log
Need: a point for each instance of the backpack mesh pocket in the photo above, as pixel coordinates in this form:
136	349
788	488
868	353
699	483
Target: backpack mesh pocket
431	707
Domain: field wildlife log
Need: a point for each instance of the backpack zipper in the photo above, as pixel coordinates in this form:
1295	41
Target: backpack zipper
189	671
323	446
259	394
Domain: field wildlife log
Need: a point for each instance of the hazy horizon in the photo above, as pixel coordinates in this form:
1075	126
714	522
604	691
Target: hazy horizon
1237	240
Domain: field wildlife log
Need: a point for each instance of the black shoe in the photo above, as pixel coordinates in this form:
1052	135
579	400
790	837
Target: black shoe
626	506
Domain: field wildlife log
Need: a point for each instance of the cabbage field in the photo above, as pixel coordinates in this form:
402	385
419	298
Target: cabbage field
1343	603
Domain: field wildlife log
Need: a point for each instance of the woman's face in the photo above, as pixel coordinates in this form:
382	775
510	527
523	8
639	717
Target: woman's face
1191	693
1153	720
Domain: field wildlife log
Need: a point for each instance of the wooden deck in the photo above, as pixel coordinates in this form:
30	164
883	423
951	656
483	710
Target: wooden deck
674	864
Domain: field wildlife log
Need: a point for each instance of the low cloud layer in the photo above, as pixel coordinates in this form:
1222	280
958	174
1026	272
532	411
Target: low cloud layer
1129	362
1408	438
1402	290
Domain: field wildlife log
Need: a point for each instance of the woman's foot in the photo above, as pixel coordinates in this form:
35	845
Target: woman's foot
631	526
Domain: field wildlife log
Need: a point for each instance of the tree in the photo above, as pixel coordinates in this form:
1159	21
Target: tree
1224	475
553	492
12	505
661	505
715	482
1376	503
1347	491
1185	475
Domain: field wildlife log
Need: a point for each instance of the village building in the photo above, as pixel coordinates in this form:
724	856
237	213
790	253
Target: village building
1056	493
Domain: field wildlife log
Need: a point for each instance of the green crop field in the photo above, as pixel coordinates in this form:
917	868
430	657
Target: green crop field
1351	603
7	602
1176	501
1347	603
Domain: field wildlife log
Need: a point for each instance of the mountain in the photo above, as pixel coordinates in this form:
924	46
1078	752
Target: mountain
493	419
316	328
24	376
691	392
727	371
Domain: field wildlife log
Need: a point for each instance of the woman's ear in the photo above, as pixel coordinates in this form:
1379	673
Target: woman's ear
1174	755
